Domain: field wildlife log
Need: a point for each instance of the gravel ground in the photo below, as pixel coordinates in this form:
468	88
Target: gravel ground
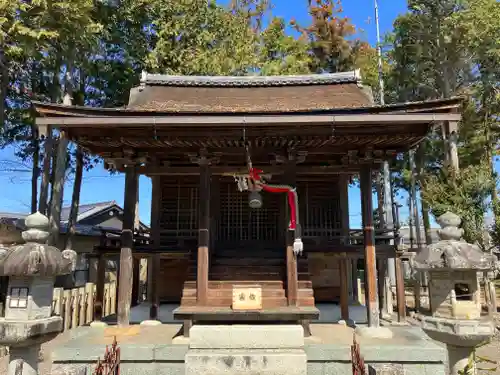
45	360
491	352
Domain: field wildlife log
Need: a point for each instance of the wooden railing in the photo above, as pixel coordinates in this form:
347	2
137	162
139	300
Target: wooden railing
76	306
111	239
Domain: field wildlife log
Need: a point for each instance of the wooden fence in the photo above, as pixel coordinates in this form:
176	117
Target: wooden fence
76	306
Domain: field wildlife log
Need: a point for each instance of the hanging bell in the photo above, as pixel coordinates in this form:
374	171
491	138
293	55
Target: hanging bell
255	199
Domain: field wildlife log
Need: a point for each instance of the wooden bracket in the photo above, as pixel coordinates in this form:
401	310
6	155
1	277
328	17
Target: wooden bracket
204	157
292	155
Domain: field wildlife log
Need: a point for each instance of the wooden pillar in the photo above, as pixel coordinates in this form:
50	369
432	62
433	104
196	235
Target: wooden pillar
400	290
135	281
343	188
155	295
354	280
371	299
101	279
344	292
292	281
381	271
154	262
203	234
125	280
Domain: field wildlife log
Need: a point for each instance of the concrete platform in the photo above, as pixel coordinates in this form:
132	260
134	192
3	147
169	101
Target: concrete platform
159	350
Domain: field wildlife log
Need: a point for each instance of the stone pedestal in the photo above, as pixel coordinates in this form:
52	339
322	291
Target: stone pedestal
246	349
458	358
23	360
32	269
460	337
456	318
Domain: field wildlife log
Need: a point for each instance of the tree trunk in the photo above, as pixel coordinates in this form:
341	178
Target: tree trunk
44	185
425	208
4	83
55	149
36	169
379	184
58	188
75	200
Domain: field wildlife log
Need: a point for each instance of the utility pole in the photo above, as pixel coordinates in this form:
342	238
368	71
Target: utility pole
386	174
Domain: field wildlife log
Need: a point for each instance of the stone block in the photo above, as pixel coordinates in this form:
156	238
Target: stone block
435	369
337	368
246	362
246	337
69	370
315	368
170	369
386	369
134	368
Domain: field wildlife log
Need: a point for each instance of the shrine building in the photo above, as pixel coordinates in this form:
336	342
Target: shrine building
250	183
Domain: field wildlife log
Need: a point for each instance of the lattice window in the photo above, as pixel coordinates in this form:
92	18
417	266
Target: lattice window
319	208
179	207
239	222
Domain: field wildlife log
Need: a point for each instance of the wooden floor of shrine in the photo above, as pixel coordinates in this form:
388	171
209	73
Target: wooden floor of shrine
328	313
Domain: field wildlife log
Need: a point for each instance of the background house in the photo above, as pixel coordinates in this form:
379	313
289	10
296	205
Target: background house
92	219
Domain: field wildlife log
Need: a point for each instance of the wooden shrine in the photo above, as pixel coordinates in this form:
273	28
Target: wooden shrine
228	156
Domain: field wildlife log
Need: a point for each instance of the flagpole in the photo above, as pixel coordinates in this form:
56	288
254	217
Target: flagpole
386	176
379	53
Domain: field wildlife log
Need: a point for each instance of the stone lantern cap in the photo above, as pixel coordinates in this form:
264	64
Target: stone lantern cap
451	252
35	257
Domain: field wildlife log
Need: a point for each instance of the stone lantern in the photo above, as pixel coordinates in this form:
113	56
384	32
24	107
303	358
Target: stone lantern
455	315
31	269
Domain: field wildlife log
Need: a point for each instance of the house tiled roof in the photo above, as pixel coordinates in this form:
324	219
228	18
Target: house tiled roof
86	210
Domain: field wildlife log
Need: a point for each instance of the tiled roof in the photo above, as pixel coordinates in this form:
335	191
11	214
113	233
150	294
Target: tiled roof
86	210
218	94
251	81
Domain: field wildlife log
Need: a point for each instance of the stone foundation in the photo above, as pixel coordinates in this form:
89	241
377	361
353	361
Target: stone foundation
143	353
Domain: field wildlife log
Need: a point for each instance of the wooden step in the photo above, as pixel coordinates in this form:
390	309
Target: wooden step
271	284
267	302
217	293
227	302
248	261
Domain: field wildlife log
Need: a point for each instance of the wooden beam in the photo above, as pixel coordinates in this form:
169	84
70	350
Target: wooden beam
203	235
126	262
372	306
343	189
155	290
101	279
229	171
135	281
400	290
232	120
344	290
156	198
292	281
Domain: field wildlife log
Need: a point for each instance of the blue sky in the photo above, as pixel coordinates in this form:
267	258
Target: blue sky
98	185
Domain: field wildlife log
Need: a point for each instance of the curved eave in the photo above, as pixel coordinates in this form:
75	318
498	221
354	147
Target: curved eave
431	106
